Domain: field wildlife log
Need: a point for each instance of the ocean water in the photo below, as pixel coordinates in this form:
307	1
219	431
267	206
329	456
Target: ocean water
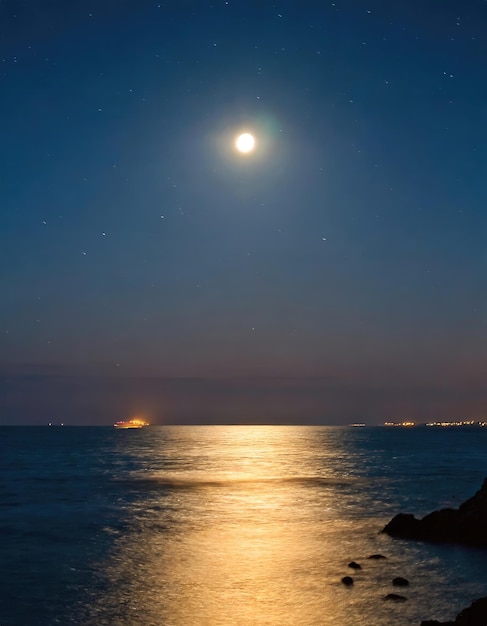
230	525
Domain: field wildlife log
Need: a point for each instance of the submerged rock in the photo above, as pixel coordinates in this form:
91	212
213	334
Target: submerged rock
399	581
394	597
377	557
466	525
474	615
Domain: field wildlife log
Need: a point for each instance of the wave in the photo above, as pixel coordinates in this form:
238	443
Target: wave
178	482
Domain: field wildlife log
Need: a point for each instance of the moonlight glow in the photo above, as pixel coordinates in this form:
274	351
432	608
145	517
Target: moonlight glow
245	142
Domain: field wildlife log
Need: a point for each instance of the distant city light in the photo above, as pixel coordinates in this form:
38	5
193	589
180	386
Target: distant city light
440	423
457	423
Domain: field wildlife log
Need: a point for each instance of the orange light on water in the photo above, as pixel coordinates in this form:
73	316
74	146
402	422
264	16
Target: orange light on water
133	423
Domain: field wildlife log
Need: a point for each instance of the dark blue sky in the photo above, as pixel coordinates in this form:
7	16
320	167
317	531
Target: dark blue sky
336	274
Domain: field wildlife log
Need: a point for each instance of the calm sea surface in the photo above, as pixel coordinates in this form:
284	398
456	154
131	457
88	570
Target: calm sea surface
239	525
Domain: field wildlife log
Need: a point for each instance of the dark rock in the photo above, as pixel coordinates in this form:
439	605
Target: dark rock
377	557
474	615
466	525
401	525
394	597
347	580
354	565
400	582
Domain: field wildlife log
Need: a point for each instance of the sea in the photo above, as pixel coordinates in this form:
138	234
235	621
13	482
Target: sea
231	525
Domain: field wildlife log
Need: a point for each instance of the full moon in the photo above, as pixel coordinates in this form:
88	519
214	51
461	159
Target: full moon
245	142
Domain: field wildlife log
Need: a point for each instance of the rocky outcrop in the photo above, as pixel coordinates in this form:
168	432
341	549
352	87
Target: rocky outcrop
466	525
394	597
474	615
399	581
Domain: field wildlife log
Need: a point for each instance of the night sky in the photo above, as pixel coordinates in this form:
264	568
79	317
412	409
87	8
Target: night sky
338	273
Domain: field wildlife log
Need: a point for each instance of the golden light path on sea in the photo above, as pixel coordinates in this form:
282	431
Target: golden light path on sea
249	525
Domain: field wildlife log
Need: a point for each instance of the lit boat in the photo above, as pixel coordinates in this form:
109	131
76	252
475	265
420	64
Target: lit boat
135	423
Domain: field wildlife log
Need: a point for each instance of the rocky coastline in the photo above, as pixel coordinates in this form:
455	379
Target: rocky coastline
474	615
465	526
